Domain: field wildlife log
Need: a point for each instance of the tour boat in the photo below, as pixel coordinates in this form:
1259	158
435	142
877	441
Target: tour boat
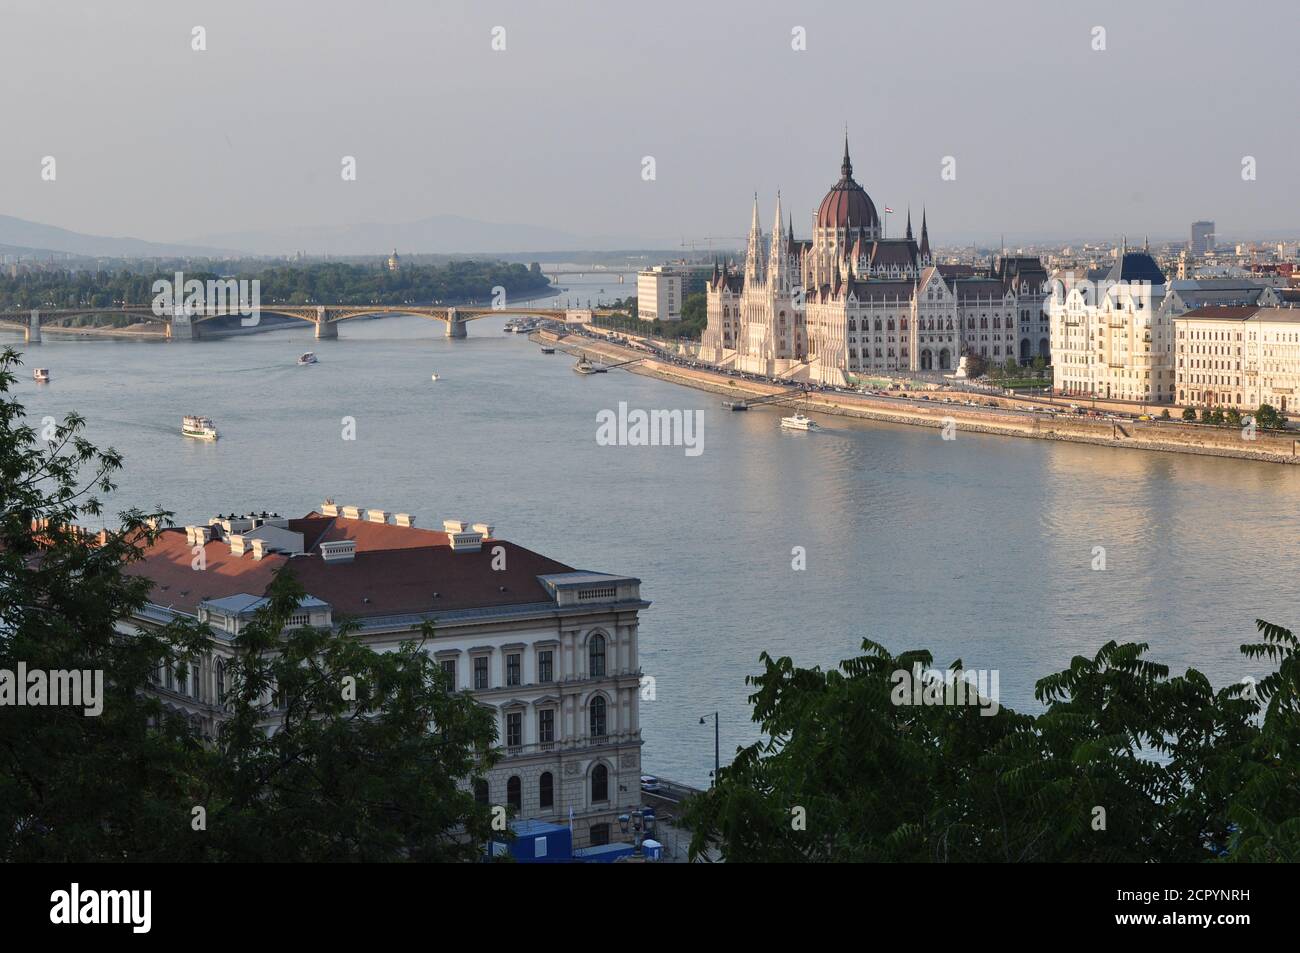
201	428
308	358
547	349
584	366
433	377
798	422
41	375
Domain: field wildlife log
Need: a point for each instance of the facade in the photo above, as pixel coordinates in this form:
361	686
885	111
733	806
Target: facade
851	302
1112	333
659	295
1234	357
1202	242
551	650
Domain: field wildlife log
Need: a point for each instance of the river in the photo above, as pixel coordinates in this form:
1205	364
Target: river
980	548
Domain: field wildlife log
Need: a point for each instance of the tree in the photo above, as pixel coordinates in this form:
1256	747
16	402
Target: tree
78	786
851	771
369	755
1164	414
1040	364
1189	413
1206	416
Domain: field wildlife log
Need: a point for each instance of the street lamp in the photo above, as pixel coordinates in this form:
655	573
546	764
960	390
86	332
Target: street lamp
716	748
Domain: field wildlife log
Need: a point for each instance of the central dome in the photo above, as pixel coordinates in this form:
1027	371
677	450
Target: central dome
847	202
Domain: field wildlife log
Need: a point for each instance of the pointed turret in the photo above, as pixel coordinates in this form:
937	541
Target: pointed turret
908	236
925	238
754	253
778	271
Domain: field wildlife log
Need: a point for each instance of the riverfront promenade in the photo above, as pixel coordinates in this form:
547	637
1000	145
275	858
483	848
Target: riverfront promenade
1010	418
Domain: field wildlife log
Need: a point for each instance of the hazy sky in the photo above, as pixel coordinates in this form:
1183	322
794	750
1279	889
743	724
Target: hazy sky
157	141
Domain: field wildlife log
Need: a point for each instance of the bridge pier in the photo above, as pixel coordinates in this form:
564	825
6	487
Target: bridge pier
32	333
182	327
455	326
326	330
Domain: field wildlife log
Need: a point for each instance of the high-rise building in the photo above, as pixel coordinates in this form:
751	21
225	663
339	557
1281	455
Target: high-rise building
1202	242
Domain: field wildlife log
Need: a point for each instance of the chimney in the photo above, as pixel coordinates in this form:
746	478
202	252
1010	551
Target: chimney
237	545
377	516
339	551
329	508
461	537
403	519
352	512
259	549
483	529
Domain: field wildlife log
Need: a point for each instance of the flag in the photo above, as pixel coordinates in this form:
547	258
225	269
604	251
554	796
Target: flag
888	210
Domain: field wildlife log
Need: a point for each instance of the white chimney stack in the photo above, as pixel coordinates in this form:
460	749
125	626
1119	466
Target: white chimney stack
352	512
404	519
377	516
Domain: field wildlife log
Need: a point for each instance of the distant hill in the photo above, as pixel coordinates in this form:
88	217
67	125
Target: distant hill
20	237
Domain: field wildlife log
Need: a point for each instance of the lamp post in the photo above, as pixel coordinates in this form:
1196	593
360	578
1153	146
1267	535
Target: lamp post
716	748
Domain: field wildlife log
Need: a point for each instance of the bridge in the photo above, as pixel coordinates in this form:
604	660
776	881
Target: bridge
184	324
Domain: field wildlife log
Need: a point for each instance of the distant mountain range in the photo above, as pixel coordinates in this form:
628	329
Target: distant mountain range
31	239
437	234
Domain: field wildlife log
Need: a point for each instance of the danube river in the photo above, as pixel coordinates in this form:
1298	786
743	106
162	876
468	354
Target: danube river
980	548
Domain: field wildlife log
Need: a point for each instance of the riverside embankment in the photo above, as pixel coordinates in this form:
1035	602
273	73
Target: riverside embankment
1008	419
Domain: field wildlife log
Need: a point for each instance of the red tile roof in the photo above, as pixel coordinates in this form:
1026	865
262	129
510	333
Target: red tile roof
397	570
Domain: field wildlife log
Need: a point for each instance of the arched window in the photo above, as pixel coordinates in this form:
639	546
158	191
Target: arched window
481	791
515	793
600	783
596	716
221	680
596	656
546	790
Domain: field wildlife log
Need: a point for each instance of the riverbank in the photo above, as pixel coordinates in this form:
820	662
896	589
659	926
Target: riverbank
1007	419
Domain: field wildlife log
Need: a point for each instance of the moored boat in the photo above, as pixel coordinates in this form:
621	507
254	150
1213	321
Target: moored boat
41	375
307	358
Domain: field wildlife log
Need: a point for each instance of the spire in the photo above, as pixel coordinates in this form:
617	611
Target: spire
754	253
909	223
925	237
778	257
846	166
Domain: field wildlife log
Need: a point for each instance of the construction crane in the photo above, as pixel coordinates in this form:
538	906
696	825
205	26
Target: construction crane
707	241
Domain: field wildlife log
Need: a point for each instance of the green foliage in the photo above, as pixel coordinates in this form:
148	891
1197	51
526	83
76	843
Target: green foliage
317	283
1164	414
364	775
1269	418
1182	772
1189	413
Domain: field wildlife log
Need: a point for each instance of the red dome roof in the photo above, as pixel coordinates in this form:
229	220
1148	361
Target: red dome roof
847	202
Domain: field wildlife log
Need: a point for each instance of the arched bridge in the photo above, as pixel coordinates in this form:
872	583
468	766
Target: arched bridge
184	324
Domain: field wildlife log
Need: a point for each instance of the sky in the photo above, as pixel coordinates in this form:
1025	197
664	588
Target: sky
1050	137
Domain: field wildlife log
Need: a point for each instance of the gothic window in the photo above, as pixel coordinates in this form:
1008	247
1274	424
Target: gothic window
890	324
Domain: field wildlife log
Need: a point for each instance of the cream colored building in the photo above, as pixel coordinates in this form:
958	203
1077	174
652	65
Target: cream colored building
658	295
1238	358
551	650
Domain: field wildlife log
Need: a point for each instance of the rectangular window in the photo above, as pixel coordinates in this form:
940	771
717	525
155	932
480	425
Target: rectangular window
449	667
546	726
512	669
514	729
481	672
545	669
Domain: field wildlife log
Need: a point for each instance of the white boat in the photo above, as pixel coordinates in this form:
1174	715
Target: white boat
798	422
200	428
547	349
433	377
41	375
308	358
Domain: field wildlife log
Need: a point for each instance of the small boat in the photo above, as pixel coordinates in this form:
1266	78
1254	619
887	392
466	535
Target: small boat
585	366
41	375
433	377
200	428
547	349
735	405
308	358
798	422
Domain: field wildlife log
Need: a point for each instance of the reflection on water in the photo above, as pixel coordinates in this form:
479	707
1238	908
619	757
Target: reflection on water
979	549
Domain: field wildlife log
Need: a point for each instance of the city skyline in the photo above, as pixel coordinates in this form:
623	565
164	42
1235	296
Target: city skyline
1061	140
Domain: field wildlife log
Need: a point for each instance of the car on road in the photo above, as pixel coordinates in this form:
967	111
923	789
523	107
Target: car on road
649	783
